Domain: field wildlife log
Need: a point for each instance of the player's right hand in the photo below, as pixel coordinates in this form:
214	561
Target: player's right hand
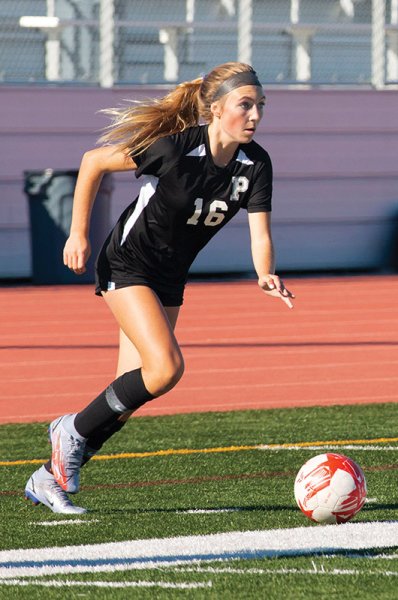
77	251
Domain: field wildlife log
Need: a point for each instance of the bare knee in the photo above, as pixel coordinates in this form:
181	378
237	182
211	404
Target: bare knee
163	373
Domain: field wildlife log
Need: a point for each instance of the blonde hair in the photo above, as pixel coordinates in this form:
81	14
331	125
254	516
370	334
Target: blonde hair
135	128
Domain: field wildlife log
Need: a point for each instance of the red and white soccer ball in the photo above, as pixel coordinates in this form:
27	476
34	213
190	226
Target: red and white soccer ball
330	488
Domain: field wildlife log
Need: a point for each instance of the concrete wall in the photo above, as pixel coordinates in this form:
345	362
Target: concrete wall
335	162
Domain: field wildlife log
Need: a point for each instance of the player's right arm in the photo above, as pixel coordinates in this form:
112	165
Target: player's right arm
95	163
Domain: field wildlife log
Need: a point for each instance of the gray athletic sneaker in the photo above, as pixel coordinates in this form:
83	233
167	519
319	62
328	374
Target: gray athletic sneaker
43	489
67	454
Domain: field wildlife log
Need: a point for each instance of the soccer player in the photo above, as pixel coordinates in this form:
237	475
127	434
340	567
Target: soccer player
194	154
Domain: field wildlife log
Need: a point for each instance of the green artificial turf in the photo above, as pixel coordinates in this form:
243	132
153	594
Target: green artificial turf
245	489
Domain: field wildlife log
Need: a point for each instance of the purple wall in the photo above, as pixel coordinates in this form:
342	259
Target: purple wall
335	162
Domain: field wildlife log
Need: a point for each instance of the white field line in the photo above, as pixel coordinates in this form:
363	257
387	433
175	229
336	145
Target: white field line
106	584
195	585
206	511
383	556
314	571
63	522
330	447
153	553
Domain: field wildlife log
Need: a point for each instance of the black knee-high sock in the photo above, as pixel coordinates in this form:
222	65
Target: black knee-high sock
99	437
126	393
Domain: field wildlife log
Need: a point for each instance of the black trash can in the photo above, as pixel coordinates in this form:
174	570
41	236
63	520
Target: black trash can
50	197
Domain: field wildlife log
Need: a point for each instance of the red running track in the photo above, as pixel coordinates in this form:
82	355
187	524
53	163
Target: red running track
243	350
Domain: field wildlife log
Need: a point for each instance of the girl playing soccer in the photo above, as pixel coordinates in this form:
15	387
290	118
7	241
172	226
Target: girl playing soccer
194	179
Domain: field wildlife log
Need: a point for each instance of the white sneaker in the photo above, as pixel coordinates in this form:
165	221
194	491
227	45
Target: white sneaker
42	488
67	454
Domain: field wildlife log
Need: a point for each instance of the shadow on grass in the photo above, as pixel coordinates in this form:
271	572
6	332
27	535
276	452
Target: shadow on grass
200	511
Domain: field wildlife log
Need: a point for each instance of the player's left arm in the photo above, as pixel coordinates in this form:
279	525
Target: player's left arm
263	255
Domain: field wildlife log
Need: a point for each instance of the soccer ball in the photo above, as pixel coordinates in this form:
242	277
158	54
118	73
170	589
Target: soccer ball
330	488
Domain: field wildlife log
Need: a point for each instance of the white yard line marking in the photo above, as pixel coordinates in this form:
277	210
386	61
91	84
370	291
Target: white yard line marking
206	511
64	522
383	556
106	584
345	447
316	570
329	447
153	553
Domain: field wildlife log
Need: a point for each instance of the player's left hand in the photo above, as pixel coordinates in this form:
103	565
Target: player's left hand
273	286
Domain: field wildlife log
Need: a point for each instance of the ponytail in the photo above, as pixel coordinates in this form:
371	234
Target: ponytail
136	127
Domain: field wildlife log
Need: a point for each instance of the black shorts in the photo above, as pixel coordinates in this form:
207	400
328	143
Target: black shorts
110	277
166	298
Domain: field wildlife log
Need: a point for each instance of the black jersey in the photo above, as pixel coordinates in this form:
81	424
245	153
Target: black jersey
184	200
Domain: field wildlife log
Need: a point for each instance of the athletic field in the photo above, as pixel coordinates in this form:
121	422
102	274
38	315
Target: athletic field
194	498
